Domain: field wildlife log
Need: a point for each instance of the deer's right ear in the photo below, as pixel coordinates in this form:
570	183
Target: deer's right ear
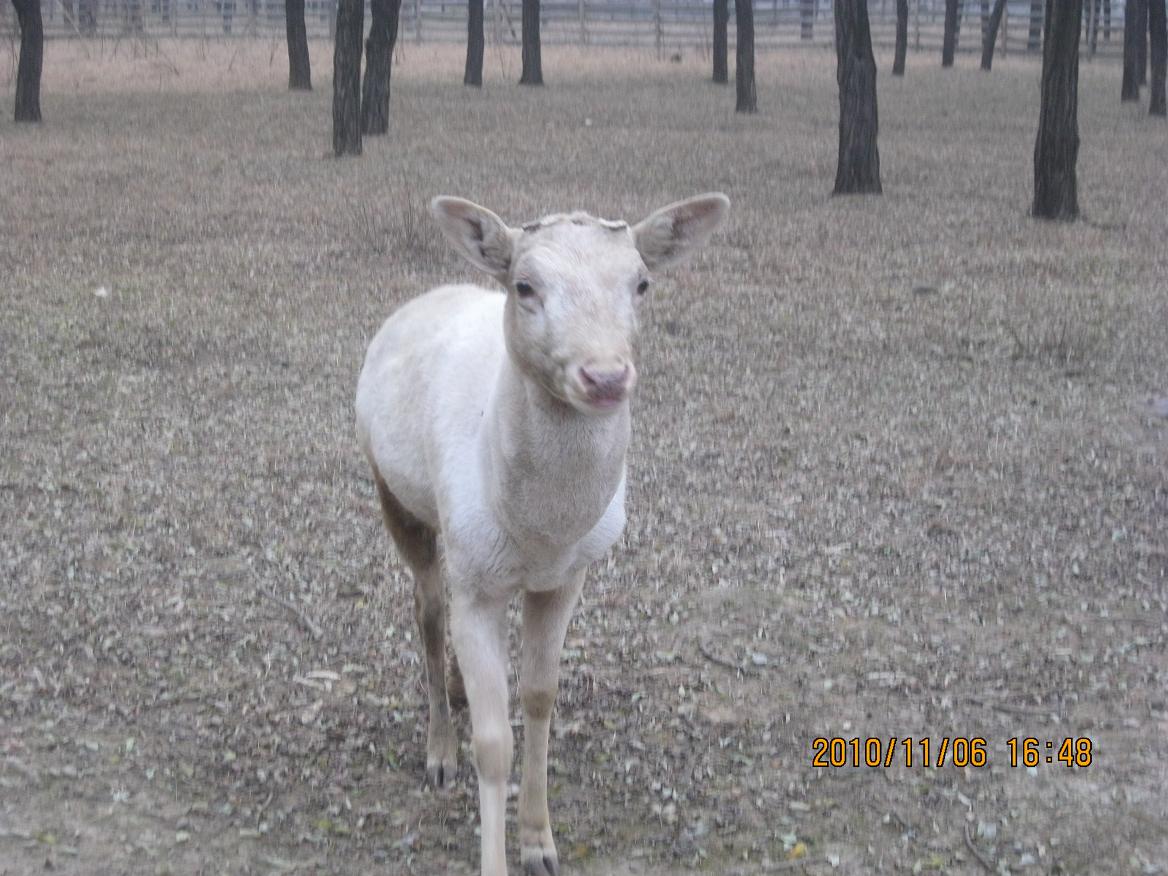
481	237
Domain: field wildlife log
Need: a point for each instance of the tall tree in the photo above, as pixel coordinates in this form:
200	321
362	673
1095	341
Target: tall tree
744	56
721	16
28	68
347	78
475	43
532	66
858	165
1106	21
1056	149
991	35
901	37
1034	41
299	71
378	63
949	41
1130	89
807	19
1140	10
1158	31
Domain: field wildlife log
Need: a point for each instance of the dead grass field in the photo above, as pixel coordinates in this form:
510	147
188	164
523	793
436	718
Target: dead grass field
898	459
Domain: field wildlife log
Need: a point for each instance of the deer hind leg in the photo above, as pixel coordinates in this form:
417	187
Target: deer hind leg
418	545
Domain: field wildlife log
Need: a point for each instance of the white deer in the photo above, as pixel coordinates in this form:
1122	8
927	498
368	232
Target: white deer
500	423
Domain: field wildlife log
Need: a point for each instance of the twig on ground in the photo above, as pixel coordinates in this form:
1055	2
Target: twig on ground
721	661
313	629
986	865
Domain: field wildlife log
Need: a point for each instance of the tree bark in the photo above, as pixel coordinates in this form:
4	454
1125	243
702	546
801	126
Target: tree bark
299	69
347	78
475	43
1056	149
949	41
901	37
1158	31
378	64
1141	11
532	66
28	68
87	17
744	56
1034	42
1130	89
1106	21
807	19
721	16
858	166
991	35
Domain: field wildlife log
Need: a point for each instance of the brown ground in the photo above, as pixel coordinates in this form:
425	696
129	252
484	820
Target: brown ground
897	458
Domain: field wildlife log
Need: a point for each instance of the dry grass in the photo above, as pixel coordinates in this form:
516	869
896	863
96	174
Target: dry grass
893	456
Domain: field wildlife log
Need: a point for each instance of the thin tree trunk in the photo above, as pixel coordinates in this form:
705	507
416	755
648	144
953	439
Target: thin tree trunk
949	41
721	16
991	35
1056	149
901	37
378	65
1034	41
475	43
299	70
744	56
1141	11
347	78
1106	21
858	166
807	19
28	68
1092	27
1130	89
532	66
87	16
1158	31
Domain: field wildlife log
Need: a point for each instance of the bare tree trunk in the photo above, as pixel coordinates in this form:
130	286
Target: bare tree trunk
949	41
28	68
1158	31
1141	11
87	16
807	19
532	66
378	64
744	56
347	78
858	165
1092	27
991	35
1130	90
299	71
1106	21
901	37
1056	150
475	43
721	16
1034	41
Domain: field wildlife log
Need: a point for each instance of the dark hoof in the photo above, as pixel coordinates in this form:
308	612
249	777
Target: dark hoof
546	865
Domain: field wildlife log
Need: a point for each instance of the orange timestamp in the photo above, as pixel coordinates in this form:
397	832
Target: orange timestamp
958	751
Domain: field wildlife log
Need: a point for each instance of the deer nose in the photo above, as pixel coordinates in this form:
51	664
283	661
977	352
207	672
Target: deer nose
605	383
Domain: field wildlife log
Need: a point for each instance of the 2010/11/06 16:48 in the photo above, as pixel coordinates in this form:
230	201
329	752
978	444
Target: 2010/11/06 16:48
958	751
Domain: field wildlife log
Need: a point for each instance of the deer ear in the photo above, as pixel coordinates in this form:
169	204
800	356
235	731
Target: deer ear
481	237
673	233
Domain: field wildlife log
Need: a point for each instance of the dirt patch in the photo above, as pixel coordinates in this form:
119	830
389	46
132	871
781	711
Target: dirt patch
896	474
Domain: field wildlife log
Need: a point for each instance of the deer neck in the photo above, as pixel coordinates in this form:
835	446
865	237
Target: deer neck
551	470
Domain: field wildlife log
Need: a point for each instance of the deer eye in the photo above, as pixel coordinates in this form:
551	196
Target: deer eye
642	287
524	290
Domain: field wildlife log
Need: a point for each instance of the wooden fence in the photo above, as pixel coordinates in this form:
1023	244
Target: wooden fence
666	26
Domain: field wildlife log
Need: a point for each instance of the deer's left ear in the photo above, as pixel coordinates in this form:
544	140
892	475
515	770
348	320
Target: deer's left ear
479	235
673	233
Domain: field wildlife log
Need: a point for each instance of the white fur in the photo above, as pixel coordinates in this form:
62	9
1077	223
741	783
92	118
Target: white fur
501	421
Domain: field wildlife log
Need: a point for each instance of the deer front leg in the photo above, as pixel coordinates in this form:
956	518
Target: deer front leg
478	631
545	622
